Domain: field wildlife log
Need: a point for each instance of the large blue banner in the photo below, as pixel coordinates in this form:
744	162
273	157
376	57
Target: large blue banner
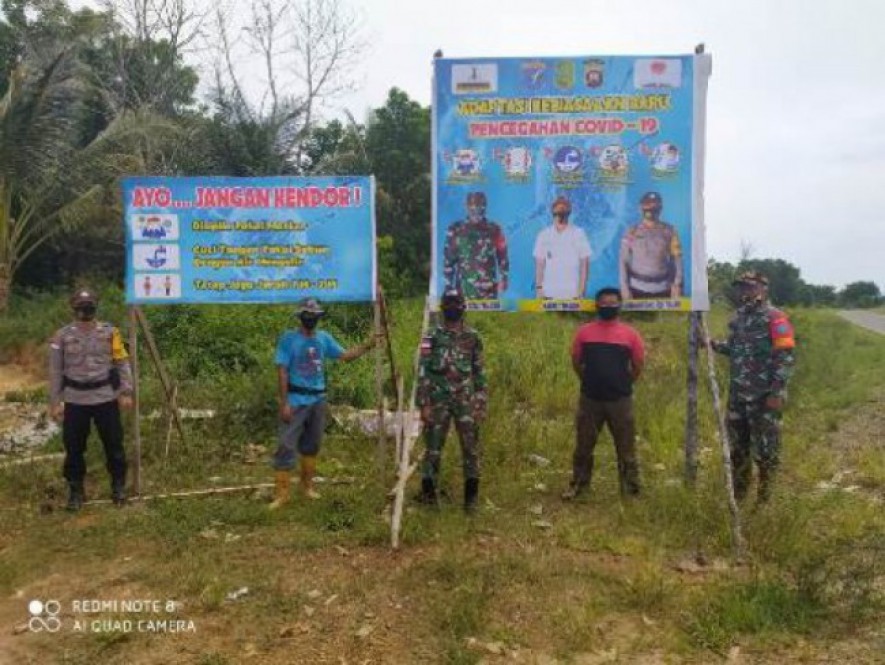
248	240
555	177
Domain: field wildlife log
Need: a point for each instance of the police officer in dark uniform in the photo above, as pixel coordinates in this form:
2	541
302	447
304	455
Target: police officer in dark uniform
89	380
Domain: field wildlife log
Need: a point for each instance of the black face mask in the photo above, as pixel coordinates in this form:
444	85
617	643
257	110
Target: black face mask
453	315
309	321
85	312
609	312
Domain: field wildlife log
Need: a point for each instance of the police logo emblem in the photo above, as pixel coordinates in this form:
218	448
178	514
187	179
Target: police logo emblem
593	73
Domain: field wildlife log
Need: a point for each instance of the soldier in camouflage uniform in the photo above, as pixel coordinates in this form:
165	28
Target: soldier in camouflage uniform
452	385
89	380
760	346
475	254
651	256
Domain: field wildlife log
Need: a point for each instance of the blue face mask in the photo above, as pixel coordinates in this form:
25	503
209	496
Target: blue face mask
453	315
608	312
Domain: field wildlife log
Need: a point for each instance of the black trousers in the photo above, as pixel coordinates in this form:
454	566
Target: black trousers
75	432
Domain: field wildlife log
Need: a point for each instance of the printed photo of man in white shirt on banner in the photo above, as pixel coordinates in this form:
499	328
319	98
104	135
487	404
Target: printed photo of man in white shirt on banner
562	257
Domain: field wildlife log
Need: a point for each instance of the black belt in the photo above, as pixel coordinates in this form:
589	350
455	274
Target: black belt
648	278
86	385
301	390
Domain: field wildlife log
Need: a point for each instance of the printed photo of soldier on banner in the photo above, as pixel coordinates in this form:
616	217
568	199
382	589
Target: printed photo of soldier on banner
555	177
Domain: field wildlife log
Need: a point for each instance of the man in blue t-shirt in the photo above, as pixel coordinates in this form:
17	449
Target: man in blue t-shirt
300	359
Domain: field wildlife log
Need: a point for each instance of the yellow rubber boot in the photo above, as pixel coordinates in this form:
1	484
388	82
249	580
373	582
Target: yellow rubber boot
308	471
282	490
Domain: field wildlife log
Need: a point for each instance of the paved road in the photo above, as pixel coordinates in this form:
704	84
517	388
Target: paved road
865	319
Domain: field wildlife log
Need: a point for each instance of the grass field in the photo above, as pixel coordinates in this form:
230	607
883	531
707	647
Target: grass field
529	579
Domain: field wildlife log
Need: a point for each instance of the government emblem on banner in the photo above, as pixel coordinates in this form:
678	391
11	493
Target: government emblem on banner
466	166
474	79
657	73
517	163
593	73
664	159
614	164
533	74
565	75
568	166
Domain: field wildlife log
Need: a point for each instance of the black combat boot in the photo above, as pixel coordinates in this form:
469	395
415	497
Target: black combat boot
471	495
628	475
75	497
428	493
118	491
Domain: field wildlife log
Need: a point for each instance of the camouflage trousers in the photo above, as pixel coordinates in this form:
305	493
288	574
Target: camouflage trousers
436	430
754	433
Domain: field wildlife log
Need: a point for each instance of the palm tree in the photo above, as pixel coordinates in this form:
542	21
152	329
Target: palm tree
51	177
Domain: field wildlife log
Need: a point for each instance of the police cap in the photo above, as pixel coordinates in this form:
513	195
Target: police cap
651	200
84	296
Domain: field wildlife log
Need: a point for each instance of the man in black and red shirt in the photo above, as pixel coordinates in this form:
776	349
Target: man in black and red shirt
607	355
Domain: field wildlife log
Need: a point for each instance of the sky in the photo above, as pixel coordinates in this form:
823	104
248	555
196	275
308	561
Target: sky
795	122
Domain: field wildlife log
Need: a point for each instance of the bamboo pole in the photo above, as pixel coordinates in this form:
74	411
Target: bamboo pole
691	415
169	387
408	441
737	537
381	451
136	400
32	459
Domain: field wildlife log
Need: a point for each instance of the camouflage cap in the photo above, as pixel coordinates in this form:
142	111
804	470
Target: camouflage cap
476	198
452	299
309	306
84	296
751	277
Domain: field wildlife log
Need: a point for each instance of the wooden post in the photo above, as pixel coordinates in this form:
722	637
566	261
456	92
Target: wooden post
379	389
408	441
395	379
385	323
169	389
170	421
691	414
736	534
136	400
